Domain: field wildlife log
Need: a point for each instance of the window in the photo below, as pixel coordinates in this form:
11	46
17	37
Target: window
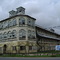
29	22
33	34
14	22
10	23
30	47
33	23
0	49
5	35
22	34
21	21
0	35
22	47
34	48
14	33
1	25
14	47
29	34
5	24
9	34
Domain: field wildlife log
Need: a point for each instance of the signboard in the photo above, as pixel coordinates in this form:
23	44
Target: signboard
57	47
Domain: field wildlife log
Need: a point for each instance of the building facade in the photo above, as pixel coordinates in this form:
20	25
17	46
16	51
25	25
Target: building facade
47	39
19	34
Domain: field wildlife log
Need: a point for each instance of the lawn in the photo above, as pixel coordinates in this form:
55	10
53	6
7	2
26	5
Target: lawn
17	55
53	54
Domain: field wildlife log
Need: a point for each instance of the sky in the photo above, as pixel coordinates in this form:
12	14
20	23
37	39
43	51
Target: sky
46	12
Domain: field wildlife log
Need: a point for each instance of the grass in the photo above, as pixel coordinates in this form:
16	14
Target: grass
16	55
53	51
22	56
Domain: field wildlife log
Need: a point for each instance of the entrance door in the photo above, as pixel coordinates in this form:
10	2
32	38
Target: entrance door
4	48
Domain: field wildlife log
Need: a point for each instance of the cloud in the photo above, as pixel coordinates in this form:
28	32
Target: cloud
46	12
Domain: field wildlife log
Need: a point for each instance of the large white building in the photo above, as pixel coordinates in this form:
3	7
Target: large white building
19	34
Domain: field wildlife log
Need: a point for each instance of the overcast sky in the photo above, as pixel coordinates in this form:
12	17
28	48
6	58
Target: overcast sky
47	12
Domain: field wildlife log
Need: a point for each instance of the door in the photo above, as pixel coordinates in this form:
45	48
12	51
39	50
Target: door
4	48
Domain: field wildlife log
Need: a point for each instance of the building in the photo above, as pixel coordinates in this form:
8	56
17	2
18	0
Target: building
46	39
19	34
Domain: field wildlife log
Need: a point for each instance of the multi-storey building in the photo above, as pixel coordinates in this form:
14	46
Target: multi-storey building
19	34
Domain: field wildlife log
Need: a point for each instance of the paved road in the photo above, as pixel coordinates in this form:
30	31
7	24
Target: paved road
18	58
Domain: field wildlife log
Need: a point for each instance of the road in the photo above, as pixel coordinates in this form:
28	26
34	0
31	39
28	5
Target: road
19	58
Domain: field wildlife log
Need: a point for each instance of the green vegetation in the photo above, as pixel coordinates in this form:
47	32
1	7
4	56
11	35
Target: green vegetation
55	55
38	54
53	51
16	55
22	56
